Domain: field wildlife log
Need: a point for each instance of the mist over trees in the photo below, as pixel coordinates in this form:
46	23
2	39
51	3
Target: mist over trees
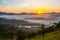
20	33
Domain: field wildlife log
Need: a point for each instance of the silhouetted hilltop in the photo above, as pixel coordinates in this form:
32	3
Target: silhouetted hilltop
24	13
2	13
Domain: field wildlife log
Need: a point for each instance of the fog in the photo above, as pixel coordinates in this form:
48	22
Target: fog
44	19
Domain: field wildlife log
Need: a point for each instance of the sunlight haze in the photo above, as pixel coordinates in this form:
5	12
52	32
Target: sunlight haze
38	6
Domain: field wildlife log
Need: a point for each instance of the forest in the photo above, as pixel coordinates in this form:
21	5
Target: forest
12	32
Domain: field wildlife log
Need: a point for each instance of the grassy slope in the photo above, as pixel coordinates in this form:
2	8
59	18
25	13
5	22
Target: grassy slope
49	36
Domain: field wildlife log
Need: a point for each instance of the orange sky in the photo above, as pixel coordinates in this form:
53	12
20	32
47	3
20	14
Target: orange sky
37	6
41	10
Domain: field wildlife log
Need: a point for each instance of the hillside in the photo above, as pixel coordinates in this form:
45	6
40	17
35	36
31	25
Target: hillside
16	22
49	36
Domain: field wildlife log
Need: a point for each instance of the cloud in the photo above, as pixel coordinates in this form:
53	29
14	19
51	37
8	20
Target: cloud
23	4
27	4
8	7
18	6
5	1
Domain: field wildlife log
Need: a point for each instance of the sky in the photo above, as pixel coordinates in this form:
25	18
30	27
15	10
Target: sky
30	6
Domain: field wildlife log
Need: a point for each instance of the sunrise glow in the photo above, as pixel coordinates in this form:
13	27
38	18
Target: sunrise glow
34	6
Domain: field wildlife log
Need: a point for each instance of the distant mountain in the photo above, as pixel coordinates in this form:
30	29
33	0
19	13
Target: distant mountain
23	13
2	13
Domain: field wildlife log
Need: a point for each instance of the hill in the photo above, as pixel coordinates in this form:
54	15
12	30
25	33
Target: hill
49	36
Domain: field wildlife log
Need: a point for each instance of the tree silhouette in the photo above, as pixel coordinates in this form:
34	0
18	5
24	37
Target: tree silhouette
42	29
20	35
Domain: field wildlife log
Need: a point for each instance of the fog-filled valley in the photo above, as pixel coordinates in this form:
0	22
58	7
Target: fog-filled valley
47	18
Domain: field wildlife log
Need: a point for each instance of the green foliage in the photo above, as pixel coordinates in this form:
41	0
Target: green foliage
9	32
3	27
48	36
21	35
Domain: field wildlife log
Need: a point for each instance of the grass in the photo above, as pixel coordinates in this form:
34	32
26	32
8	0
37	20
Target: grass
49	36
4	38
7	39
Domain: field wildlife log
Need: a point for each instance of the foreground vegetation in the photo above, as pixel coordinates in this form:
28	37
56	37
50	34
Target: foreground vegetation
49	36
12	32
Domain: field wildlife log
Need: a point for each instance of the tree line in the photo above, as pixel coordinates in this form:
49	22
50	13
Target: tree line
9	31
